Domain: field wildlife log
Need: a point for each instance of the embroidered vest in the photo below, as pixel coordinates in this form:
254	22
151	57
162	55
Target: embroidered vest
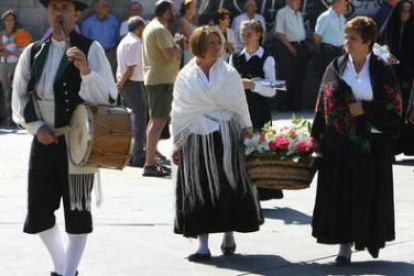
66	84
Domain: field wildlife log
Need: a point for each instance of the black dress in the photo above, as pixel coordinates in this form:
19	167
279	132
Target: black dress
354	199
229	209
259	108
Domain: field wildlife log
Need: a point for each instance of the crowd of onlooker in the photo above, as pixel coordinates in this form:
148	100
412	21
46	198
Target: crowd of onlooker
290	47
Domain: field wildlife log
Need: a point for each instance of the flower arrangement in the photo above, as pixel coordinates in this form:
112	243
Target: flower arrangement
287	142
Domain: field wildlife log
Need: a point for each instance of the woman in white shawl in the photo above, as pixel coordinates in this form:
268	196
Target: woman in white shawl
213	192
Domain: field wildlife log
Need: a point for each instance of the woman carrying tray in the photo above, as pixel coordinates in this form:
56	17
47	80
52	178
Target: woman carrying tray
254	64
209	112
357	113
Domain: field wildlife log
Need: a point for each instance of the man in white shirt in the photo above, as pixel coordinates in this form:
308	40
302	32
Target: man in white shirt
130	82
250	8
135	9
330	34
293	56
52	77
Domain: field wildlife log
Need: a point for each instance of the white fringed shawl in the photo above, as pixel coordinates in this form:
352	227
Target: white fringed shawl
202	110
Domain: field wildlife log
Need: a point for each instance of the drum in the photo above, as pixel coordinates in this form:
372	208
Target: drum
100	136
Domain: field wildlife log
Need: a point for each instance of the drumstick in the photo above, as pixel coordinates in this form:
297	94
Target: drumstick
62	131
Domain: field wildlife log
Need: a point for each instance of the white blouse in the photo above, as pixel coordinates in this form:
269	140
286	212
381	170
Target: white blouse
268	69
360	83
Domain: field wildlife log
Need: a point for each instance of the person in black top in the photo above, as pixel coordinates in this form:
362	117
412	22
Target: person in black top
398	34
255	64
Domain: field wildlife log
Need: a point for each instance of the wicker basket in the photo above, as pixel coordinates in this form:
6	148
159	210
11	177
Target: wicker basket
266	172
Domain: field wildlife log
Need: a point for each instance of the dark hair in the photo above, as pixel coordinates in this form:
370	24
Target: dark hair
255	25
135	22
162	6
13	14
365	27
134	2
220	15
391	30
198	40
185	5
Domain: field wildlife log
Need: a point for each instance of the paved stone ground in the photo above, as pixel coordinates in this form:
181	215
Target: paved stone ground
133	229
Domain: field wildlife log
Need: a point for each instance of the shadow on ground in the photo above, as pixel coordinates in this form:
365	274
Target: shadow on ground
288	215
274	265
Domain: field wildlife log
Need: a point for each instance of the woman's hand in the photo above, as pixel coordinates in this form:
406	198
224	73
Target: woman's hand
356	109
176	157
248	83
45	136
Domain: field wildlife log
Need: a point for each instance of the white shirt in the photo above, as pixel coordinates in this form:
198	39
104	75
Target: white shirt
268	69
290	23
96	87
123	30
360	83
239	19
330	25
129	53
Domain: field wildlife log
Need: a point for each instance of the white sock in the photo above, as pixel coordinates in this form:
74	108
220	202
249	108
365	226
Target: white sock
228	239
345	250
202	244
76	246
53	241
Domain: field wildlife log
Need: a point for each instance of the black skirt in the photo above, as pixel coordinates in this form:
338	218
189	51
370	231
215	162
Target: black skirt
233	210
354	200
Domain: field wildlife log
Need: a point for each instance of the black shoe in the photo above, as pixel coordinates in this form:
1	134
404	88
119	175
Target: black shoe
156	171
228	250
198	257
342	261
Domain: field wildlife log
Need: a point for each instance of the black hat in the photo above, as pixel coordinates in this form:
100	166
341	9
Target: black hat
79	5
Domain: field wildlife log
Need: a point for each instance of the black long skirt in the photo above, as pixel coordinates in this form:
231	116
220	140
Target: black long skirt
233	210
354	200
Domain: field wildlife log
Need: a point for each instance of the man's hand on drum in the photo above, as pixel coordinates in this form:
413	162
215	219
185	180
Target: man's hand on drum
46	136
78	58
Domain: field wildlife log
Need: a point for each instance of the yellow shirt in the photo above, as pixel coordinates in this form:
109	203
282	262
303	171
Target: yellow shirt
156	37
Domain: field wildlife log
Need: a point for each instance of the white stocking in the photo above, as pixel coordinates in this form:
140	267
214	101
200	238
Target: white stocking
76	246
53	241
202	244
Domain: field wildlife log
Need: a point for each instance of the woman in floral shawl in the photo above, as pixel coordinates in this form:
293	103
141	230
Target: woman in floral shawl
357	113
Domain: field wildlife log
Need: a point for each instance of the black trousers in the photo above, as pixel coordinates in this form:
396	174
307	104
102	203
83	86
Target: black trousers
293	69
48	183
326	54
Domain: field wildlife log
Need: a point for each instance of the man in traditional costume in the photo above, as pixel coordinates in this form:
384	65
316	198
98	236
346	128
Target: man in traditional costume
52	77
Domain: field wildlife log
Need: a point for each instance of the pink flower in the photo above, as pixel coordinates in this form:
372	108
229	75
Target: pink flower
305	146
279	143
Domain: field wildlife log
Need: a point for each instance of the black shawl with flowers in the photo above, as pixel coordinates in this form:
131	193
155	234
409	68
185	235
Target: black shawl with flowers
335	95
